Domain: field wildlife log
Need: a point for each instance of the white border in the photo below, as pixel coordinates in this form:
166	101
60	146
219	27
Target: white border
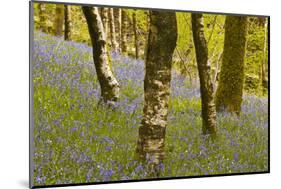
14	92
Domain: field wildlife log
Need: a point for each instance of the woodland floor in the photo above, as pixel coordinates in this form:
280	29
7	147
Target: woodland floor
75	141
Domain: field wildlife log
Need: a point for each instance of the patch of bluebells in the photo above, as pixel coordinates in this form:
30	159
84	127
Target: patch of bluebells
75	140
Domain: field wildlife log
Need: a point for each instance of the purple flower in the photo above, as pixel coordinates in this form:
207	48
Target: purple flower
109	173
56	122
182	155
108	139
89	175
138	168
40	180
74	129
108	148
235	156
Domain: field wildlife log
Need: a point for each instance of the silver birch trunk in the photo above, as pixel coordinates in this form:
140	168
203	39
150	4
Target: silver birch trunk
208	108
114	44
67	22
104	18
161	44
124	26
136	35
109	86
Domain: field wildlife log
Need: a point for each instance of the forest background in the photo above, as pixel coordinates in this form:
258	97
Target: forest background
18	179
127	34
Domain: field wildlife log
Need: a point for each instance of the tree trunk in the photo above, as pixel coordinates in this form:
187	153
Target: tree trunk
124	25
58	25
42	17
136	35
108	83
120	29
231	80
117	19
161	44
263	74
114	44
204	69
67	22
215	78
104	18
146	34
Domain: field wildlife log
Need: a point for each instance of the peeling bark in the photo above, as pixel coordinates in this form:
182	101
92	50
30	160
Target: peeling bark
231	80
108	83
161	44
204	69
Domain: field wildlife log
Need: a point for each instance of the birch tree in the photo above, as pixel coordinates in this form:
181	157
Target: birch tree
114	44
161	44
204	69
42	17
104	18
124	25
67	22
109	86
135	29
117	19
59	18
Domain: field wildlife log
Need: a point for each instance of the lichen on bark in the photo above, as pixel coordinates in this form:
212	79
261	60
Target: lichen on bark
161	44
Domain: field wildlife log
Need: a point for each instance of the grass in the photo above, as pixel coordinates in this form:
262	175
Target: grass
76	141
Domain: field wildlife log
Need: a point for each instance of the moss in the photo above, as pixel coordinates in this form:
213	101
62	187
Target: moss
231	81
204	70
252	83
